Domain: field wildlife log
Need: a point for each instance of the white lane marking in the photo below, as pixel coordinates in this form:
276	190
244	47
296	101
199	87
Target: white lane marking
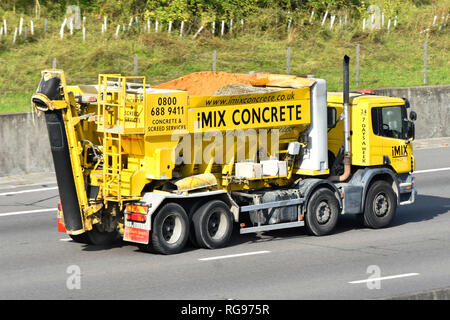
234	255
385	278
66	239
26	191
432	170
25	185
26	212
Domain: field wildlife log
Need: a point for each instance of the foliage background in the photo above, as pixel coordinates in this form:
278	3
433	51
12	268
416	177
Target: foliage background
393	58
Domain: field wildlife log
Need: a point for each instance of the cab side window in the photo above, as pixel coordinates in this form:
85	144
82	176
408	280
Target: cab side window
389	122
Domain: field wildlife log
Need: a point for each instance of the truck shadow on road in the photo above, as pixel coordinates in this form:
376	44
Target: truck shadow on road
425	208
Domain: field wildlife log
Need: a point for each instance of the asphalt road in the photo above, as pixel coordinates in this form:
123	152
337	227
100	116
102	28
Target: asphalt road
413	255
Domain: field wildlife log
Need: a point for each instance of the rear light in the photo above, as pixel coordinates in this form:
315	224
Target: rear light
136	208
136	217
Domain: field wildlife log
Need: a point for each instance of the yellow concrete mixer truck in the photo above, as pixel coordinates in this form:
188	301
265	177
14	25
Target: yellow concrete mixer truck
160	167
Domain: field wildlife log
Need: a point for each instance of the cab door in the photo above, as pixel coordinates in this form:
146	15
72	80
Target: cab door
390	125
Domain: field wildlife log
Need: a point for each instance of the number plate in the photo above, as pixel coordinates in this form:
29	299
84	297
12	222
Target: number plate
136	235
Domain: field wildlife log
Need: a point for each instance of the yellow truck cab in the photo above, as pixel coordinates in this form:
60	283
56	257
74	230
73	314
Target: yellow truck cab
381	137
381	133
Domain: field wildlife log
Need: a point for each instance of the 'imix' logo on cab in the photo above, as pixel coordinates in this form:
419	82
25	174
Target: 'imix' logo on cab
399	151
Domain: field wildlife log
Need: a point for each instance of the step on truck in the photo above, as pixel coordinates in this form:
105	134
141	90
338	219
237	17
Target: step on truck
159	167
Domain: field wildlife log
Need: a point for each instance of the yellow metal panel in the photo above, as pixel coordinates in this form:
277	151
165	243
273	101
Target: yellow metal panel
360	139
253	111
165	113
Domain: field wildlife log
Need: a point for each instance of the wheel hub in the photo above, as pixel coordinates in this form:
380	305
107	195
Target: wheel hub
381	205
217	225
323	212
213	224
171	229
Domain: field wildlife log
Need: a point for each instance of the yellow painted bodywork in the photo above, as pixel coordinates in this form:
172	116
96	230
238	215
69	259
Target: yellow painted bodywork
143	135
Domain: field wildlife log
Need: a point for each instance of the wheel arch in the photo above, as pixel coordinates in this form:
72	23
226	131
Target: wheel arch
366	177
189	202
307	188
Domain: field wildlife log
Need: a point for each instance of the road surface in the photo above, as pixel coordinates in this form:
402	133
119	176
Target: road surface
413	255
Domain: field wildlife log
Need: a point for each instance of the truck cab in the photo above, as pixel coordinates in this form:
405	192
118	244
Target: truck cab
381	134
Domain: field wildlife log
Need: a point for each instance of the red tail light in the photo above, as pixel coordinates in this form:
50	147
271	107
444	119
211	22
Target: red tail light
133	208
136	217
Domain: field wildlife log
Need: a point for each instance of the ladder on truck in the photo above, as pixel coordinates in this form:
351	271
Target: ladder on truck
113	91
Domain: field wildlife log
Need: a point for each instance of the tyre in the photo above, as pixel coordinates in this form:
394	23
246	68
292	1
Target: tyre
98	237
213	224
80	238
170	231
322	212
192	238
380	205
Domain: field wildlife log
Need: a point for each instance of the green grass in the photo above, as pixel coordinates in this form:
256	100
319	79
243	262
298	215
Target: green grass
15	102
387	59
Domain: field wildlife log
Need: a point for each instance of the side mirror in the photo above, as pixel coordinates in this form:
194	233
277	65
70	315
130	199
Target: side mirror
412	116
411	131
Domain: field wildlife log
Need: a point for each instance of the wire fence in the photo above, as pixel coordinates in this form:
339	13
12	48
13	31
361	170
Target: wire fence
425	62
26	29
288	63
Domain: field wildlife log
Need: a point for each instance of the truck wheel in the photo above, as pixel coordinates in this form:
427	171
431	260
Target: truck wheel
170	230
80	238
380	205
322	212
101	238
213	224
192	238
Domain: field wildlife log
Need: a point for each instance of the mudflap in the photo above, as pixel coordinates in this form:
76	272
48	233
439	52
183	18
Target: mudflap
136	231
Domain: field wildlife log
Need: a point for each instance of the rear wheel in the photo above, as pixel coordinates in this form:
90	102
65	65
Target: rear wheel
213	223
322	212
380	205
170	230
99	237
80	238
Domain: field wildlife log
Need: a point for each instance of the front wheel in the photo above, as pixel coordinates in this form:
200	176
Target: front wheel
380	205
99	237
322	212
80	238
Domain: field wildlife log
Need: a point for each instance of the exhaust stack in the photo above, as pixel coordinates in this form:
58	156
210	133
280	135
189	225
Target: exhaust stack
346	98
